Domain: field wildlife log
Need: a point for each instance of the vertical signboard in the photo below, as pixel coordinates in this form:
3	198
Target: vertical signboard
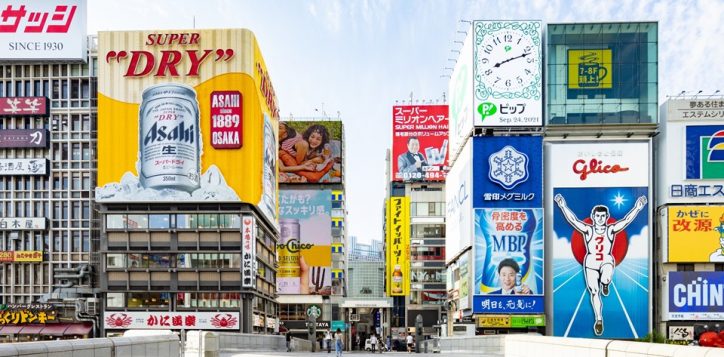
310	151
508	249
305	242
508	81
696	295
186	115
398	246
248	261
600	238
459	207
695	234
419	142
51	30
461	97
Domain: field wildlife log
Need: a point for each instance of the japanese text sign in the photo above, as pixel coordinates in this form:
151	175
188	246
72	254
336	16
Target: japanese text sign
419	142
398	246
165	320
248	260
24	106
695	234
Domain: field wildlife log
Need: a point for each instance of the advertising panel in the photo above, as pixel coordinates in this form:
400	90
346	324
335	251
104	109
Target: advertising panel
458	195
310	151
693	110
50	30
590	69
464	288
696	295
398	246
507	71
21	256
13	314
248	260
13	167
419	142
186	115
20	106
600	238
461	97
164	320
22	223
695	234
305	242
24	138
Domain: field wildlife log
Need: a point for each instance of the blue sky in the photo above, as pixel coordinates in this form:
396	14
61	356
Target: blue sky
358	57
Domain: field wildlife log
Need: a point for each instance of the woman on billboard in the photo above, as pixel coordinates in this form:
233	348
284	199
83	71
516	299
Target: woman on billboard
307	155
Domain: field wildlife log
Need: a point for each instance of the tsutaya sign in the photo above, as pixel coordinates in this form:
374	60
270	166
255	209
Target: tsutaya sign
691	155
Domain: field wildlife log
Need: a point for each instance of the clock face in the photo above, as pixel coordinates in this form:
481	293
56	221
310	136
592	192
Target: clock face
508	60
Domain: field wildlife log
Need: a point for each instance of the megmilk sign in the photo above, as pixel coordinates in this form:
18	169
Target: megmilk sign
186	115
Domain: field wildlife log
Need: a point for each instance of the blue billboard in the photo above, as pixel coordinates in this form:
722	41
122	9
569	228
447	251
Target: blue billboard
507	171
696	295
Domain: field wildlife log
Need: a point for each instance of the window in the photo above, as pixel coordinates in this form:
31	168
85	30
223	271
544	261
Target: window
113	221
229	221
137	221
159	221
185	221
114	300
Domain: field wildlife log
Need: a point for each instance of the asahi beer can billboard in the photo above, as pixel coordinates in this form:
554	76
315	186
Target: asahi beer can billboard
598	198
186	115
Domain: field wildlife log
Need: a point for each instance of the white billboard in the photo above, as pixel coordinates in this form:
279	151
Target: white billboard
12	167
508	73
165	320
47	29
599	164
461	98
458	195
690	154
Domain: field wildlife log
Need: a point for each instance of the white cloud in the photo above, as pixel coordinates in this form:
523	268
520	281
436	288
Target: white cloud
561	248
638	246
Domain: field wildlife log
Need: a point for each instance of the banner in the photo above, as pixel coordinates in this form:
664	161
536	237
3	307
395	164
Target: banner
305	242
22	223
21	256
186	116
24	106
50	30
310	151
696	295
164	320
695	234
12	167
419	142
508	261
398	246
248	260
24	138
600	238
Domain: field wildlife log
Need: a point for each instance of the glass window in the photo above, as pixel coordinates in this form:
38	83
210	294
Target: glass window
208	221
229	300
114	299
185	221
116	261
158	260
159	221
137	261
113	221
229	221
183	260
137	221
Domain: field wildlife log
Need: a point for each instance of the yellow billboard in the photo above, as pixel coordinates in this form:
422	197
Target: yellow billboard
187	115
398	246
696	234
590	69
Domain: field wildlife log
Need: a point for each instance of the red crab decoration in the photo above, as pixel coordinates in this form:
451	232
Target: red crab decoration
118	320
222	321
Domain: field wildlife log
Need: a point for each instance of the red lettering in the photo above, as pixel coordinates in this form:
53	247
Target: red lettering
169	60
150	40
194	39
174	38
196	61
135	59
595	167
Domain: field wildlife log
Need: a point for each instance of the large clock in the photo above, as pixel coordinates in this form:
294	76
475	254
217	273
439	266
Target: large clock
507	60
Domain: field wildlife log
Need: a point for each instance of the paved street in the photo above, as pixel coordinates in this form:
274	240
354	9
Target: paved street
355	354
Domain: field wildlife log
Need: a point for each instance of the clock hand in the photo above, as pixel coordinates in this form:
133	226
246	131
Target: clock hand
510	59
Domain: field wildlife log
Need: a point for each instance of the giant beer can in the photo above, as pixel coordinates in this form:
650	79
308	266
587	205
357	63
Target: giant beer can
169	139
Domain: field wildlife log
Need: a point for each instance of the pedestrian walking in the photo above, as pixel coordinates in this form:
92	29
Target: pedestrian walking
338	344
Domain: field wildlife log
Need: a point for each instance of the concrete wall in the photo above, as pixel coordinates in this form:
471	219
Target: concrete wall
236	342
484	344
152	346
532	345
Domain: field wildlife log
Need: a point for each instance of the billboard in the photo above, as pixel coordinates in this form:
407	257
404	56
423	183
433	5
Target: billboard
12	167
21	256
419	142
461	97
24	106
696	295
398	246
598	198
508	241
248	260
695	234
305	242
590	69
185	115
310	151
459	207
508	73
24	138
165	320
51	30
22	223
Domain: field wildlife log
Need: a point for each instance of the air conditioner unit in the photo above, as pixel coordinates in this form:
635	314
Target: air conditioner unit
354	317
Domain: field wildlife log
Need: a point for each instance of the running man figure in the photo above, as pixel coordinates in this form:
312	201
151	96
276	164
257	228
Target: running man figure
598	263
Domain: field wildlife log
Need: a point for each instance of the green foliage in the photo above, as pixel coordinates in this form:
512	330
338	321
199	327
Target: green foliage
653	337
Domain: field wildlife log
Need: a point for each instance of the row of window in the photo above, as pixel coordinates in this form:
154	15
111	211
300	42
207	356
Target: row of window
183	300
168	221
50	70
427	231
193	260
427	209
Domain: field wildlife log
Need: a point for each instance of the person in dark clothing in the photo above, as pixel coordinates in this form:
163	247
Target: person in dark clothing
289	342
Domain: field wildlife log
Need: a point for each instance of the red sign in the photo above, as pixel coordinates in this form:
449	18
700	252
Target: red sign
18	106
419	142
226	120
22	18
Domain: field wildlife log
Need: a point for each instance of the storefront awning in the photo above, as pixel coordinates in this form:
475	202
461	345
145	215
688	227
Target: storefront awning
54	329
33	329
11	329
78	329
